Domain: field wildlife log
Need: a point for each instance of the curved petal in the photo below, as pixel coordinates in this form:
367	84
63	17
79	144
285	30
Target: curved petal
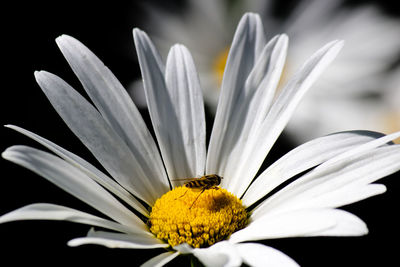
44	211
247	44
263	80
222	254
382	141
75	182
87	168
115	105
118	240
338	181
309	222
104	143
161	259
260	141
347	224
257	255
341	185
344	196
251	106
305	157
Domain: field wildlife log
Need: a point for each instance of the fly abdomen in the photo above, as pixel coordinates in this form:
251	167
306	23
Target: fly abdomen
194	184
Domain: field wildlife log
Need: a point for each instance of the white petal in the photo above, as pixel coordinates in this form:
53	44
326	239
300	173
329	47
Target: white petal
300	223
87	168
118	240
176	107
187	104
261	141
44	211
251	107
184	248
263	80
94	132
345	183
302	158
257	255
340	180
115	105
256	107
158	100
345	196
247	44
222	254
384	140
161	259
347	224
282	225
75	182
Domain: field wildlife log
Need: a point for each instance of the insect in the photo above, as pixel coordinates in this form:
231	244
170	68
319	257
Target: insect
210	181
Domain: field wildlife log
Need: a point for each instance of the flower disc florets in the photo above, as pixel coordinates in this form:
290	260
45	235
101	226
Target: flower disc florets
177	217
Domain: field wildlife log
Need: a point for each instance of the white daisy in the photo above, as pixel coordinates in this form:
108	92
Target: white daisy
210	225
352	94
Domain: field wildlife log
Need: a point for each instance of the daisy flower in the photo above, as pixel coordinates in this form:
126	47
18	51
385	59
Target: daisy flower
145	201
352	94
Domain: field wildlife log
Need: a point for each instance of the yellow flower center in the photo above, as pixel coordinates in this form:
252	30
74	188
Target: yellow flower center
392	124
219	64
200	219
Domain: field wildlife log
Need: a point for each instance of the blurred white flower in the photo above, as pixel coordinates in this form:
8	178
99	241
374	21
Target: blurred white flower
337	169
352	94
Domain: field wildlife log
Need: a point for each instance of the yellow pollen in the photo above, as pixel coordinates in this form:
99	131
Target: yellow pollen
284	77
177	217
219	64
392	124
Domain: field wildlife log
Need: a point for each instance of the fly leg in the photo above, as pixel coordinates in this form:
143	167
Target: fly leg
183	194
198	196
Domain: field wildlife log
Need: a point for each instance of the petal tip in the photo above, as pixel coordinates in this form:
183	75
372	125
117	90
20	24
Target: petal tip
249	15
73	243
284	37
5	154
336	45
39	74
61	37
137	32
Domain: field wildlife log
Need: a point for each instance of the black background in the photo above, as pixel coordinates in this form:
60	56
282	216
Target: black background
27	41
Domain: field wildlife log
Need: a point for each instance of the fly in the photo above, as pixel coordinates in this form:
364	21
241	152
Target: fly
210	181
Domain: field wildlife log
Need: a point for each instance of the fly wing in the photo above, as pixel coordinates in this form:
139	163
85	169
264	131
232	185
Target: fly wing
184	179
